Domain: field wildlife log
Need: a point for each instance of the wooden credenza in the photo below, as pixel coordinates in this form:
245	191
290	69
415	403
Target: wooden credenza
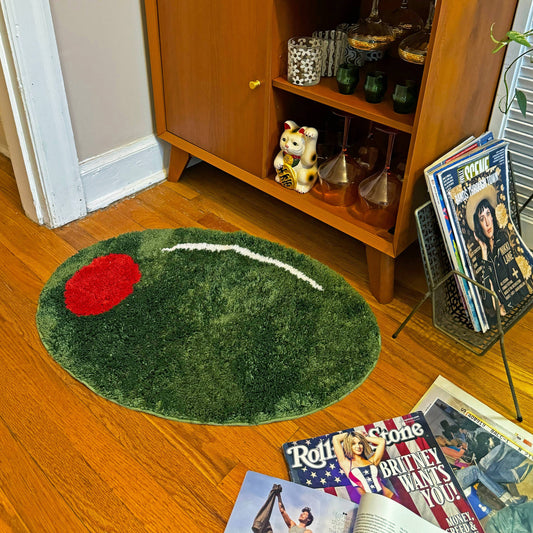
221	94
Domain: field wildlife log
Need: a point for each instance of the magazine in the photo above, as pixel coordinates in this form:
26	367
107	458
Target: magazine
269	505
397	458
476	191
454	253
492	458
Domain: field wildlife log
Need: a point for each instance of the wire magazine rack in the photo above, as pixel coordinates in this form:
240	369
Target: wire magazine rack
449	314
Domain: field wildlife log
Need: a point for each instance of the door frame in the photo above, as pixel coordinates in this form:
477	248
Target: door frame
36	116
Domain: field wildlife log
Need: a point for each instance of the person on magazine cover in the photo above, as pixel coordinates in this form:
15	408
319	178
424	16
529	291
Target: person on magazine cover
305	519
360	465
455	434
468	443
502	465
262	520
500	271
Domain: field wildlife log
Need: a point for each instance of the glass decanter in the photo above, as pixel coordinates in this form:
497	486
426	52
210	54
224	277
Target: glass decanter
379	194
414	47
404	21
339	176
371	33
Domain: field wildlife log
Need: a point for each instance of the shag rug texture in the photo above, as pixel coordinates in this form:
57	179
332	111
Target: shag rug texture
206	326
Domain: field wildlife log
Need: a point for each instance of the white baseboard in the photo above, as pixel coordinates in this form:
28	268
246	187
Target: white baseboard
122	172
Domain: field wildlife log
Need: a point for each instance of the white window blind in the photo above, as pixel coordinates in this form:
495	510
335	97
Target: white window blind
513	126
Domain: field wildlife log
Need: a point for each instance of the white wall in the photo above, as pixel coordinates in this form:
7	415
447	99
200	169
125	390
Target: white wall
104	62
104	58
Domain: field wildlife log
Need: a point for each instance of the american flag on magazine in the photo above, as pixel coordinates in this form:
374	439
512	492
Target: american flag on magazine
398	458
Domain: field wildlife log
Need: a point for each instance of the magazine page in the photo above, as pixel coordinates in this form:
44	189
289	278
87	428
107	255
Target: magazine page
444	390
268	504
492	458
479	210
398	458
378	513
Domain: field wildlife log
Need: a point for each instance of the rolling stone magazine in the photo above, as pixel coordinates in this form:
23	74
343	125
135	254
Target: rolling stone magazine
452	464
403	462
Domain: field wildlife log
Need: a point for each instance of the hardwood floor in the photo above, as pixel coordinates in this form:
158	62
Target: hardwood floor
71	461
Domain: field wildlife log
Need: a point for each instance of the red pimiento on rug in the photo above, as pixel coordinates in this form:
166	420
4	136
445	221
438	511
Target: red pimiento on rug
99	286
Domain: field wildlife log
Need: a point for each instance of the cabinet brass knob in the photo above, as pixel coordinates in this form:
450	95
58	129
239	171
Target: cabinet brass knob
254	84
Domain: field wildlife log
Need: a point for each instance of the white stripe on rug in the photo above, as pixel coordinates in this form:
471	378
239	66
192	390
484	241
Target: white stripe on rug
188	246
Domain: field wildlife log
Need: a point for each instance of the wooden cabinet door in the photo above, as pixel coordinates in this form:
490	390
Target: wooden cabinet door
210	51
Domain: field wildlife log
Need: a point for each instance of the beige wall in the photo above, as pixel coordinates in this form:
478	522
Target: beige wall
4	149
104	61
3	141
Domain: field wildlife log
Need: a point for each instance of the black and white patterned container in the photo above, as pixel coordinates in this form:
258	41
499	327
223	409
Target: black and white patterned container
333	50
305	61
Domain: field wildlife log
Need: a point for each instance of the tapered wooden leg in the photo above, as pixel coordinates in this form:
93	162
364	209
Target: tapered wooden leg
380	275
178	161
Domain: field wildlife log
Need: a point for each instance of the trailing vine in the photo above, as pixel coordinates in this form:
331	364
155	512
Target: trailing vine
523	39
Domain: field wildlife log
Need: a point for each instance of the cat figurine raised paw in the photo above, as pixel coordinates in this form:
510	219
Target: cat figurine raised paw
296	163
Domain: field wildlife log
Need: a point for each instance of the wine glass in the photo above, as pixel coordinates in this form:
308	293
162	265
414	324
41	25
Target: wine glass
404	21
414	47
339	176
368	153
371	33
379	194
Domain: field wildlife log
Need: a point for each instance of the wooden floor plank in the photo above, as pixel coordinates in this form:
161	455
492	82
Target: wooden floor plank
38	502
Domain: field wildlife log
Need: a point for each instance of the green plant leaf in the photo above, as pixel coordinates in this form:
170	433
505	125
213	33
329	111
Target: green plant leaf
492	34
521	101
519	38
500	46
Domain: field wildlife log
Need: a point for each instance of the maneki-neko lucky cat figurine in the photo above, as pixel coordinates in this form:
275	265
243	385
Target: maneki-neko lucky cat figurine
296	163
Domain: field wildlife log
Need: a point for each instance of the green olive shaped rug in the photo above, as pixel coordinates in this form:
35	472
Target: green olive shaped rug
206	326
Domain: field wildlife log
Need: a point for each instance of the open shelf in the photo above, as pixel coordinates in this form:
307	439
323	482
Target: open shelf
326	92
335	216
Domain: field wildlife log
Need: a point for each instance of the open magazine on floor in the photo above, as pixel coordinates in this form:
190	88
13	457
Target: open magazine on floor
398	458
269	505
492	458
